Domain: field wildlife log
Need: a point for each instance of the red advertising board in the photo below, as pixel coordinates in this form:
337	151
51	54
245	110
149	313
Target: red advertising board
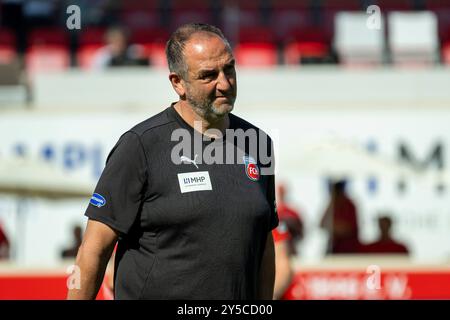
308	284
35	287
389	284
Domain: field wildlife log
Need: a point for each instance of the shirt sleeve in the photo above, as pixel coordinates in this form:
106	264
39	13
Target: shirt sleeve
121	188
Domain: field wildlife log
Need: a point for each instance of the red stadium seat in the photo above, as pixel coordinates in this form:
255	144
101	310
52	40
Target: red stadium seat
47	59
437	4
256	35
180	17
395	5
256	54
446	53
86	55
294	52
155	52
153	42
138	19
238	14
331	7
48	36
190	11
47	51
443	16
309	42
137	14
157	55
341	5
250	14
143	36
191	5
7	46
256	47
284	20
91	36
290	15
90	41
7	54
444	33
290	4
310	34
140	5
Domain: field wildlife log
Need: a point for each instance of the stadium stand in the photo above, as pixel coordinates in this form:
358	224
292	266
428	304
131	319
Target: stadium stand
7	46
48	50
256	48
292	32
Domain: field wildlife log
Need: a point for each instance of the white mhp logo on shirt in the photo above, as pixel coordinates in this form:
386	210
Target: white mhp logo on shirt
194	181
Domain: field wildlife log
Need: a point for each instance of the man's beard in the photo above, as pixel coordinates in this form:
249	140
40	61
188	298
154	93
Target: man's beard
206	109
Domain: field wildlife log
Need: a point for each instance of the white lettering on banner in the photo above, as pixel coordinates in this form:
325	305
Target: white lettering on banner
323	287
194	181
397	287
71	156
350	285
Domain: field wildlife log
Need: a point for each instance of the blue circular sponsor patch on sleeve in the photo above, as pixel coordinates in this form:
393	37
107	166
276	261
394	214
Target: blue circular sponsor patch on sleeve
97	200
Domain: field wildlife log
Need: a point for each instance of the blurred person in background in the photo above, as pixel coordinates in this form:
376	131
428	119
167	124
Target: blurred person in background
4	244
284	272
118	52
71	252
385	244
286	236
340	220
290	217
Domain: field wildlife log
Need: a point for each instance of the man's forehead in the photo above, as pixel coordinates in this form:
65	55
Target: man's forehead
204	48
204	36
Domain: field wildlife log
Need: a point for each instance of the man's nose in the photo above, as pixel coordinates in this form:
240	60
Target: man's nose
223	82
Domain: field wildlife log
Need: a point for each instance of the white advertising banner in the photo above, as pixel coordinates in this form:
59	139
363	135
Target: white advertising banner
395	160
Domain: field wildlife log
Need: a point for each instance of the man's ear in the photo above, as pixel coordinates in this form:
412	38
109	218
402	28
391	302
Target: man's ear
177	84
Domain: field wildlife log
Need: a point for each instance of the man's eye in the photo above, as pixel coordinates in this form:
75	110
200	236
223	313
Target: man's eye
208	75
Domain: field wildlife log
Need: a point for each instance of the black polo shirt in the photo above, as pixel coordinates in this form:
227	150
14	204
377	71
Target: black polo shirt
189	230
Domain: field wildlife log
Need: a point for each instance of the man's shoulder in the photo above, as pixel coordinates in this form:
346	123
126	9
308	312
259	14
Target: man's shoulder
159	120
240	123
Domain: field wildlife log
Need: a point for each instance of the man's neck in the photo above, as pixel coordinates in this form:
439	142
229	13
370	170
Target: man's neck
198	122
